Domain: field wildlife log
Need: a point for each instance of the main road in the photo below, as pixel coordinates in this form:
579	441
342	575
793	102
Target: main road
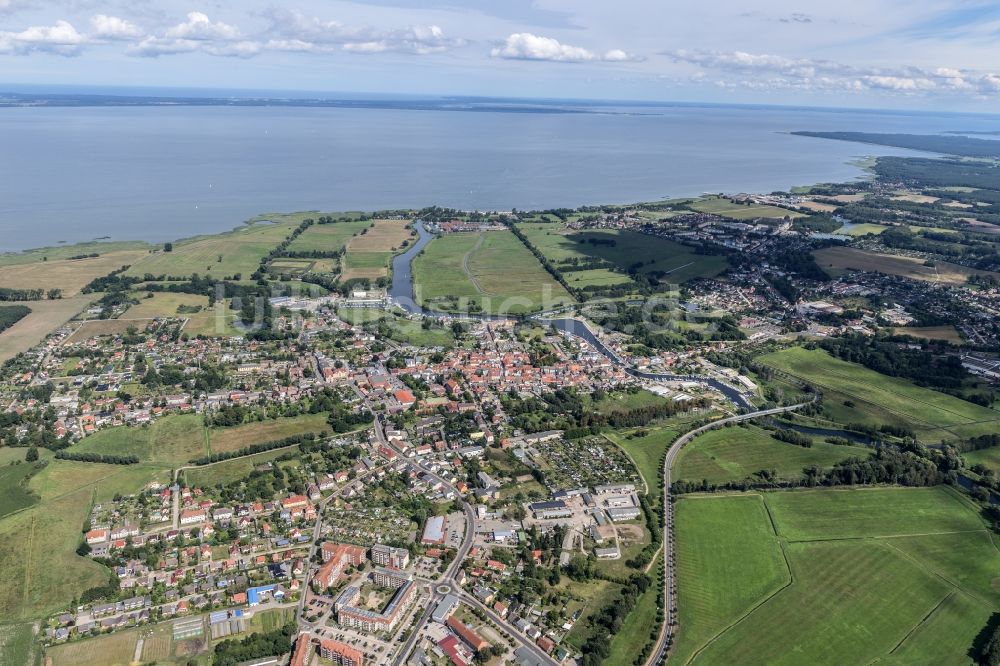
667	630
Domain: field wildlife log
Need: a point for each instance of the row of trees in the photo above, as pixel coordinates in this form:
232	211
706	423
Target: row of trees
107	459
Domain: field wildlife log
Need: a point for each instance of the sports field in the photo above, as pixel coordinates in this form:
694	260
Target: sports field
738	211
617	251
837	260
221	255
880	399
493	270
733	454
896	575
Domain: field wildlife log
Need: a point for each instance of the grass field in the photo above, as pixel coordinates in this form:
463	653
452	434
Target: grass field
70	275
878	575
493	269
733	454
880	399
590	597
221	255
837	260
42	572
17	646
862	229
728	560
987	457
561	246
176	439
737	211
228	470
223	440
44	318
637	626
115	649
169	440
14	492
215	320
97	327
869	512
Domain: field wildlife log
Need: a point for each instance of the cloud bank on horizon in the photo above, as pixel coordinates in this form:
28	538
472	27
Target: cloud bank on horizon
920	54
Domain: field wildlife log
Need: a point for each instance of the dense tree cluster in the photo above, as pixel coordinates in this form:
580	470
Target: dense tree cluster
233	651
11	314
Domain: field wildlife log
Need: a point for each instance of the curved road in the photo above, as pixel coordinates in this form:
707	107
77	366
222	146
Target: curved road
666	630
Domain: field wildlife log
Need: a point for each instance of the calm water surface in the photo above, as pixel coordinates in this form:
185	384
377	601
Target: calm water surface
161	173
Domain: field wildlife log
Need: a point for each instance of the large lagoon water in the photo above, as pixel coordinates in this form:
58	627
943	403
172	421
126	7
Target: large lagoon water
165	172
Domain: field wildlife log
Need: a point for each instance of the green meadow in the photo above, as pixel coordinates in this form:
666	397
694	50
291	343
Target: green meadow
867	575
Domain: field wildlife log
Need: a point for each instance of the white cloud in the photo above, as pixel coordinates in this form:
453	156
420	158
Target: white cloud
199	27
60	38
526	46
765	71
292	30
114	28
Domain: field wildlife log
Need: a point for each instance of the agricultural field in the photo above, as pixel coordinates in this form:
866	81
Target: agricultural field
44	318
728	562
70	275
946	333
838	260
116	649
238	251
370	252
737	211
876	399
493	270
327	237
887	575
618	250
734	454
61	252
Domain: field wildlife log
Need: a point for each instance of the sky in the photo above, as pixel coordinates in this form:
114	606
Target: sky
916	54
